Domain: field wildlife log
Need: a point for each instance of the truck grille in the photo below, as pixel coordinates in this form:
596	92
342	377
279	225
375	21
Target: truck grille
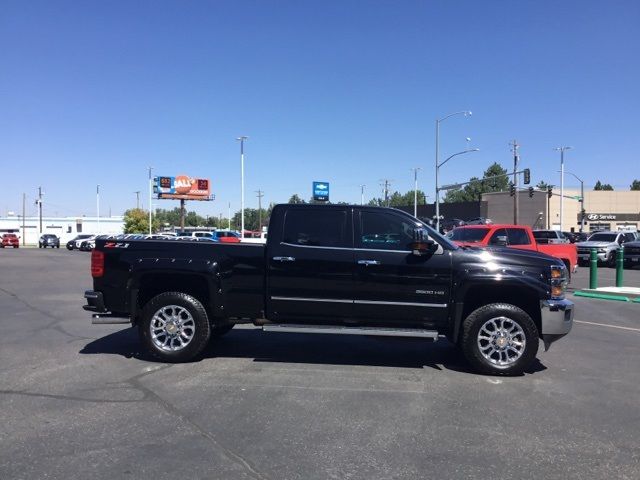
584	251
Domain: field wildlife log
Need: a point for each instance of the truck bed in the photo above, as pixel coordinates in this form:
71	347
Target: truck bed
234	272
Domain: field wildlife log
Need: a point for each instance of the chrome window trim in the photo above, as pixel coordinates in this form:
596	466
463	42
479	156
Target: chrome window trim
359	302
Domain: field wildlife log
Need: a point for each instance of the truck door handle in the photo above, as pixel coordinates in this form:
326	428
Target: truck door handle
369	262
284	259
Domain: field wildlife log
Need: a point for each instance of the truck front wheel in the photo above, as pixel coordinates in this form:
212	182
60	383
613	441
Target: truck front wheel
174	327
499	339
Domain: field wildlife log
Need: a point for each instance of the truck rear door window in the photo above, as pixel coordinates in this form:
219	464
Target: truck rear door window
322	227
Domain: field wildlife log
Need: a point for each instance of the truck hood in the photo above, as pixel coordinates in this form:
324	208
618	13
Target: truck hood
594	244
511	256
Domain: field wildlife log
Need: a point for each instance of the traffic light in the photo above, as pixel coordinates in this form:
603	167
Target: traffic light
527	176
512	190
549	192
530	192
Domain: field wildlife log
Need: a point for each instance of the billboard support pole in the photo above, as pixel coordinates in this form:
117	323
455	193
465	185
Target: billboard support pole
182	214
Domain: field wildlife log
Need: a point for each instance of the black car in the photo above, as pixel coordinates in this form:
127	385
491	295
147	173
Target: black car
49	240
71	244
451	223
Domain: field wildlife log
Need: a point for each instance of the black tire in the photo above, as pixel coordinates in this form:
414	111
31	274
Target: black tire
611	262
220	330
201	333
514	315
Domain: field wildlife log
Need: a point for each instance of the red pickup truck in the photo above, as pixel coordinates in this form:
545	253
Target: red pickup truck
513	236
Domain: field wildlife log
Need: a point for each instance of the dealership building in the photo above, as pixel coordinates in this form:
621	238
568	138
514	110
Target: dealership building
66	228
604	210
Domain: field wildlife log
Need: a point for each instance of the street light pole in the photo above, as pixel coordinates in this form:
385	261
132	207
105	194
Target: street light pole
581	199
98	207
150	197
241	140
562	150
465	113
438	165
415	190
362	194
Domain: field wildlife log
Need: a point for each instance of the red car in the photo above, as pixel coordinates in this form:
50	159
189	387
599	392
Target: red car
513	236
10	240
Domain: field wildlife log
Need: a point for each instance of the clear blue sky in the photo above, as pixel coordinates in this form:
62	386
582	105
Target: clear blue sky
340	91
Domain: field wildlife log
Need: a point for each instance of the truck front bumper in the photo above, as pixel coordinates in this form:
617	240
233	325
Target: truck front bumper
556	320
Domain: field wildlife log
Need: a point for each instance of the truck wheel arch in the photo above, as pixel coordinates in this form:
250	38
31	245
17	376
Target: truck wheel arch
475	297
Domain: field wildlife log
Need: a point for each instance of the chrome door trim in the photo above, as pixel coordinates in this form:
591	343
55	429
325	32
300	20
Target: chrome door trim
360	302
402	304
303	299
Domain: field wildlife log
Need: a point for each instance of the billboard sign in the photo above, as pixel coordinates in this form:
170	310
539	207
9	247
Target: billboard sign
321	191
182	187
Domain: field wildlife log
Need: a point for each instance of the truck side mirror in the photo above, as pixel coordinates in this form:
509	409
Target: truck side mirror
422	244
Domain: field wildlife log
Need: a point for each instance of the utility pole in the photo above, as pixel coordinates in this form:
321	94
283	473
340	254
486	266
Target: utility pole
182	214
24	227
385	188
229	216
415	190
150	195
515	181
260	194
137	192
562	150
362	194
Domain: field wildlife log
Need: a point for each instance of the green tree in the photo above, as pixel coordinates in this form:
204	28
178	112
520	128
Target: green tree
635	185
473	191
542	185
295	198
397	199
136	220
602	186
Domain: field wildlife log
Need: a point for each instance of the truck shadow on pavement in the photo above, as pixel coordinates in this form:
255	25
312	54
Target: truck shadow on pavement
308	349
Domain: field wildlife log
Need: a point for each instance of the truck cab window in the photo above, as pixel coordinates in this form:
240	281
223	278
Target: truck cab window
518	236
322	227
497	236
385	231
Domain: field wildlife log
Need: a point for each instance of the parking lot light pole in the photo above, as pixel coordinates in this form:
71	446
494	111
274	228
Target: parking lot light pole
438	165
150	197
98	208
362	194
241	140
466	113
581	199
562	150
415	190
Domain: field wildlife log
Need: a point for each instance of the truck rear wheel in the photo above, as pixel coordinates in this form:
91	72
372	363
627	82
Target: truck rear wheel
174	327
499	339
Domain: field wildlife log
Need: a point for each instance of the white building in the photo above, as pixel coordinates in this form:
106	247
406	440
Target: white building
28	229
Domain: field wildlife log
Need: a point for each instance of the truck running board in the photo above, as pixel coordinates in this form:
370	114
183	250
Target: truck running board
108	319
340	330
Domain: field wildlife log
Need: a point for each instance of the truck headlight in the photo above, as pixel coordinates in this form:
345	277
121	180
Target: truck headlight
558	281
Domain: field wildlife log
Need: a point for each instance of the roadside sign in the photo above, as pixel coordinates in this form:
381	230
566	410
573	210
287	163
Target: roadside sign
321	191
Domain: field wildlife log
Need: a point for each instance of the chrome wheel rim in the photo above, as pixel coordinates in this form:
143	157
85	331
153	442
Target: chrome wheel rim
172	328
501	341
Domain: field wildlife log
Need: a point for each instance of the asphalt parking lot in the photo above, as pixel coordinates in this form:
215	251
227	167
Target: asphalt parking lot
82	401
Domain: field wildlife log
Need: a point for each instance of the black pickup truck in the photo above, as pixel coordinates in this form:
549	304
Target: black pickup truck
334	269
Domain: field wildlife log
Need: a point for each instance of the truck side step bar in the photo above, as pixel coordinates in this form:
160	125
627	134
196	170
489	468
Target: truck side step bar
340	330
108	319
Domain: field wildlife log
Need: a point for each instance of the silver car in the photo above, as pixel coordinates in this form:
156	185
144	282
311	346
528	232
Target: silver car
606	244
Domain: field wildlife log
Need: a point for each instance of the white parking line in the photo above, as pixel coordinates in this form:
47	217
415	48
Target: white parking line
607	325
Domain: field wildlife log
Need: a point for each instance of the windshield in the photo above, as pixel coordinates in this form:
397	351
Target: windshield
468	234
603	237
